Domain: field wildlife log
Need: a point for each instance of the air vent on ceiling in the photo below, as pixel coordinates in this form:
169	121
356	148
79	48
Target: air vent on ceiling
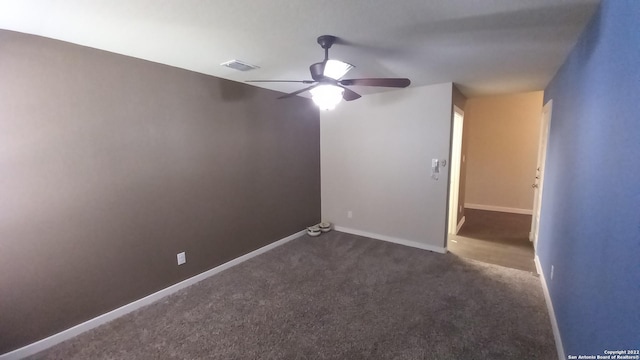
239	65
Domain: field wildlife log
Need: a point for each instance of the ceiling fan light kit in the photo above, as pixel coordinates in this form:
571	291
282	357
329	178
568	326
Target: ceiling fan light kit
327	97
336	69
327	87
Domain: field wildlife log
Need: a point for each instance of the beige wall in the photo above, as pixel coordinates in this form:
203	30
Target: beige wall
376	162
501	144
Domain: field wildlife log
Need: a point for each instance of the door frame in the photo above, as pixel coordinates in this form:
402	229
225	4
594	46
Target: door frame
455	163
538	182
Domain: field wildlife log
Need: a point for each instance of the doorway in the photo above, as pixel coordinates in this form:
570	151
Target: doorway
501	145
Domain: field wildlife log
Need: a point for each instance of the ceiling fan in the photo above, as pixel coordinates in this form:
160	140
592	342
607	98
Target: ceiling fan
327	87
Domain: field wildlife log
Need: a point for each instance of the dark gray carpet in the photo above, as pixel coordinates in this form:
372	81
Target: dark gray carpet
337	296
496	238
496	226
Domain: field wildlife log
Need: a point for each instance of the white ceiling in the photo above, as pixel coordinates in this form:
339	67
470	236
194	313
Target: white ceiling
485	46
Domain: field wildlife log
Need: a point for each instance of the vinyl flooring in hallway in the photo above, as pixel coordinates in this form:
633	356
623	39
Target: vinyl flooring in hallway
496	238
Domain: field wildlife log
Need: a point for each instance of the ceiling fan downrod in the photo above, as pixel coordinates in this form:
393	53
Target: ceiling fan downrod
326	41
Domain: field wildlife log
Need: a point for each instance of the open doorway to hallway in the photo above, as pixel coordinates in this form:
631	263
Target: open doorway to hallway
500	144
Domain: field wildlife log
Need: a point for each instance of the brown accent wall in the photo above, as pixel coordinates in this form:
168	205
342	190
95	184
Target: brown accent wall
460	101
110	166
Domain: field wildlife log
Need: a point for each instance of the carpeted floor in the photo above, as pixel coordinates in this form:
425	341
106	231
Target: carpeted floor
496	238
338	296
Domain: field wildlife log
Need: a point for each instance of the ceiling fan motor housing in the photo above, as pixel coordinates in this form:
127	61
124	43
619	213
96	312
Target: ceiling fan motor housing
326	41
317	71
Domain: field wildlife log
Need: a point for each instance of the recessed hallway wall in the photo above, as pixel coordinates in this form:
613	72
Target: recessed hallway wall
501	136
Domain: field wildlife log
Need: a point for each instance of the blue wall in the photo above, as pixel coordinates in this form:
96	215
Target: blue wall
590	222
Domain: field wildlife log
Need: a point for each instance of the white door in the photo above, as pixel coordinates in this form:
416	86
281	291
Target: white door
538	182
454	184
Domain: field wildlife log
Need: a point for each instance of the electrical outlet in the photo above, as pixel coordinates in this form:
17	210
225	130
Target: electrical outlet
182	258
551	272
349	214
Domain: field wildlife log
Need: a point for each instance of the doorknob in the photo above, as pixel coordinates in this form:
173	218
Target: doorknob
534	185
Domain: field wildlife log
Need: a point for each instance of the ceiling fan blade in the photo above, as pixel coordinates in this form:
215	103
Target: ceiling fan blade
349	95
297	92
290	81
386	82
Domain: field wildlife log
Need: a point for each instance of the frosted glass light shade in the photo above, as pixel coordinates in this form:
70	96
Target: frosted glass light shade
336	69
326	96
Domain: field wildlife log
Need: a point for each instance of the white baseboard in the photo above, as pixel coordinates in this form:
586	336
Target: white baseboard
404	242
460	224
123	310
499	208
552	313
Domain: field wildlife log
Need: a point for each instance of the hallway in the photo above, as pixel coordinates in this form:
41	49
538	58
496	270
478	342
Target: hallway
495	237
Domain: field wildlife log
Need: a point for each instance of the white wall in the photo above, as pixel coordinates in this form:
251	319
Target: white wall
376	162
